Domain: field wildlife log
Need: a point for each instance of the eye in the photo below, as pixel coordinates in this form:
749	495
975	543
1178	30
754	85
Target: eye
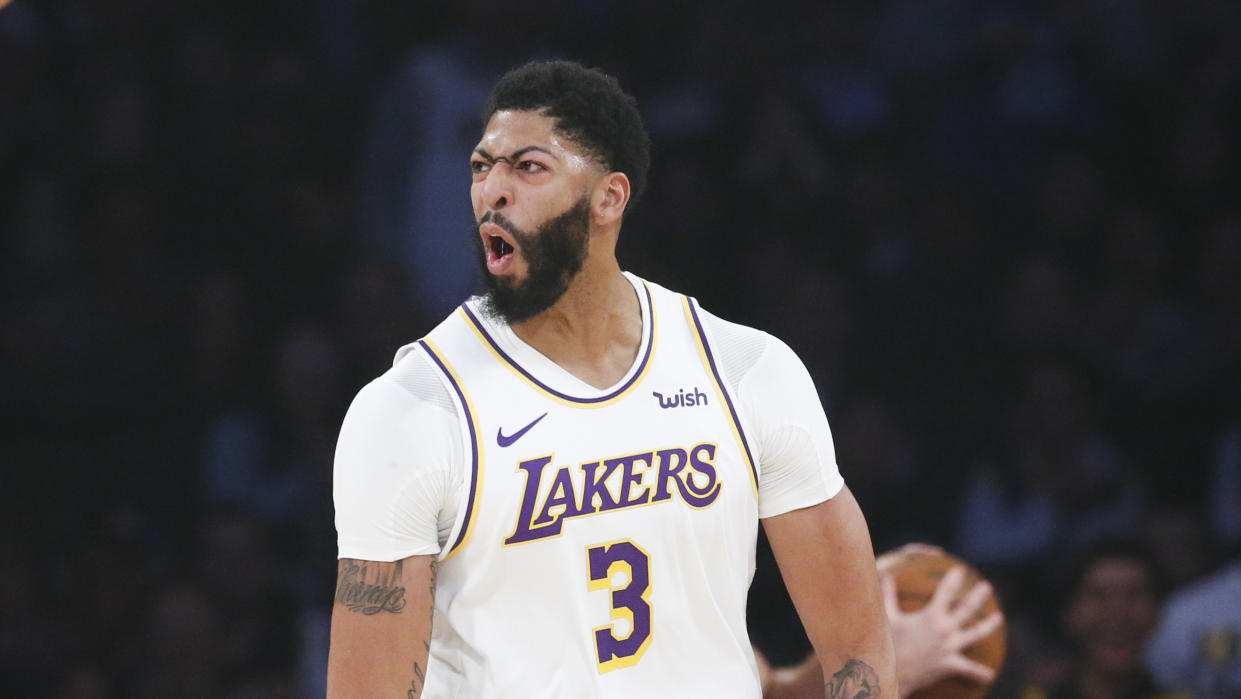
478	166
530	166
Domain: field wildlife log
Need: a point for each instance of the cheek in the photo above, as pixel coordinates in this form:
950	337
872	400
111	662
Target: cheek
1145	613
476	199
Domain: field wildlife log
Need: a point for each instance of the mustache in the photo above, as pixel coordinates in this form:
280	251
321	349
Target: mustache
502	221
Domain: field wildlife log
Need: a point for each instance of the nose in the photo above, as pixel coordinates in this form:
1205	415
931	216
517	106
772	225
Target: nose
496	188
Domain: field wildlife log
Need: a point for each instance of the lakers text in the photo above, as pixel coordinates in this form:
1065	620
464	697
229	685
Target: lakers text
612	484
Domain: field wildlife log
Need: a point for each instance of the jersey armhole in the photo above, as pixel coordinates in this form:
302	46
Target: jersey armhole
459	534
708	352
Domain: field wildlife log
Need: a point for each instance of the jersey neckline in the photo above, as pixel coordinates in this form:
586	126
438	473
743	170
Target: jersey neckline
544	374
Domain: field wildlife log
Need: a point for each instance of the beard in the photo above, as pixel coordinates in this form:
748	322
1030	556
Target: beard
554	254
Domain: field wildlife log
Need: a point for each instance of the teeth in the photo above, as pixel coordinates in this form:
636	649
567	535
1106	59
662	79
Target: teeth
500	247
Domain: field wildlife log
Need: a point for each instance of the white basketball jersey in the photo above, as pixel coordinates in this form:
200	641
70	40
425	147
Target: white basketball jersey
607	544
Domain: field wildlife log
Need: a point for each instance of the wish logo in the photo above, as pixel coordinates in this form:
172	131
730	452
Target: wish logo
681	399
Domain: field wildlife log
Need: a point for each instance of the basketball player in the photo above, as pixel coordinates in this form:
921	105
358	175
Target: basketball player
557	491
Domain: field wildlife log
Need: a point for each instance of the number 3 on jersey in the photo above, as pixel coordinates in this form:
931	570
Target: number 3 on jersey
630	602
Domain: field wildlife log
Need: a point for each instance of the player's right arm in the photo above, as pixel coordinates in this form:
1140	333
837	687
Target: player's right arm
395	503
381	627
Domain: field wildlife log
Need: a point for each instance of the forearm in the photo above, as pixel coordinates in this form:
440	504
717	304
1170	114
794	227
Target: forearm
825	556
805	681
801	681
381	628
862	675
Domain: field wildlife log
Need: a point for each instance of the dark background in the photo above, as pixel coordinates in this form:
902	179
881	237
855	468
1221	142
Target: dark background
1004	236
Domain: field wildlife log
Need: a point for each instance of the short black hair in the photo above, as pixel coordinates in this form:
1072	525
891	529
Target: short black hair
1082	562
589	107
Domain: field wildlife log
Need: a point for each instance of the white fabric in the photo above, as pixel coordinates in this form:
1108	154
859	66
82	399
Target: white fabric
398	470
382	513
643	488
781	411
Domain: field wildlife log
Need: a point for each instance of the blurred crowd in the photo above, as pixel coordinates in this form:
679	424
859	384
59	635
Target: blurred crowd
1004	235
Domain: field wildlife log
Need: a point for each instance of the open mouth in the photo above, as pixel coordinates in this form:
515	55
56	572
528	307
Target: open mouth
498	246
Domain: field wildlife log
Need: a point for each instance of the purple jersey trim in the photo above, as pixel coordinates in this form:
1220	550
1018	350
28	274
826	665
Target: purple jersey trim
646	356
719	381
469	420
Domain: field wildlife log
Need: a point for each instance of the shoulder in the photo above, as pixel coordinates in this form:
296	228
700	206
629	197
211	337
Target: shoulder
740	350
397	410
1202	600
742	354
412	384
754	361
401	425
716	326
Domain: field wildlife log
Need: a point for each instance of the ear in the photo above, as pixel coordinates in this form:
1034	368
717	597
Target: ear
609	199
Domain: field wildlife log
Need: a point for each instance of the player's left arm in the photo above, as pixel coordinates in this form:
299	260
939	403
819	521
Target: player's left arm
825	556
815	527
381	628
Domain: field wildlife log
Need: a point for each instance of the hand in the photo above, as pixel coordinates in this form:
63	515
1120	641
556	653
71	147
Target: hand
930	642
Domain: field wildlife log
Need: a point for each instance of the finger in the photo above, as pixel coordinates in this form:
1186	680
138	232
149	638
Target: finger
963	666
887	583
916	547
977	632
948	588
887	560
973	602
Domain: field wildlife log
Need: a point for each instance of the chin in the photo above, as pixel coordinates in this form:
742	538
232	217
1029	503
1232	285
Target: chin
1118	660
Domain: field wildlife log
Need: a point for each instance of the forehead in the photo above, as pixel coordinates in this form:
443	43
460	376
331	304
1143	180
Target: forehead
511	130
1117	572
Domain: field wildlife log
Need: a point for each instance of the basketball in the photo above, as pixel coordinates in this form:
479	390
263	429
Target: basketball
917	570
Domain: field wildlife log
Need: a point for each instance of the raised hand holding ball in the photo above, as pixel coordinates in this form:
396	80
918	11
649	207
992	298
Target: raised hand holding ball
947	626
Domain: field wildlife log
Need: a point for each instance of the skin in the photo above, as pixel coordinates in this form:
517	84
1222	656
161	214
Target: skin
381	628
594	330
825	557
526	170
929	643
1110	617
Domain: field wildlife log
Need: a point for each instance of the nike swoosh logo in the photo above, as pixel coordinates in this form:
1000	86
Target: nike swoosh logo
505	441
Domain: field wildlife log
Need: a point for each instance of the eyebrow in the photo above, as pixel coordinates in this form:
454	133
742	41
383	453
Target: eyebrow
515	154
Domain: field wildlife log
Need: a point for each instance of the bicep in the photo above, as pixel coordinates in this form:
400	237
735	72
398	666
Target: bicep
825	557
381	627
395	476
792	438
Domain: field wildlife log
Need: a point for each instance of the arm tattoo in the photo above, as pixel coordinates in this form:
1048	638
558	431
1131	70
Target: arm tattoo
856	680
369	590
420	681
420	676
435	574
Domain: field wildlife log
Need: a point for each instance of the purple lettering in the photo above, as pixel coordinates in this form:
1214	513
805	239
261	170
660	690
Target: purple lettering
562	495
630	479
595	488
695	495
525	531
671	461
698	485
614	652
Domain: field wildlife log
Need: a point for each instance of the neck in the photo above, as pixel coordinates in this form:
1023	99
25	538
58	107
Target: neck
594	330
